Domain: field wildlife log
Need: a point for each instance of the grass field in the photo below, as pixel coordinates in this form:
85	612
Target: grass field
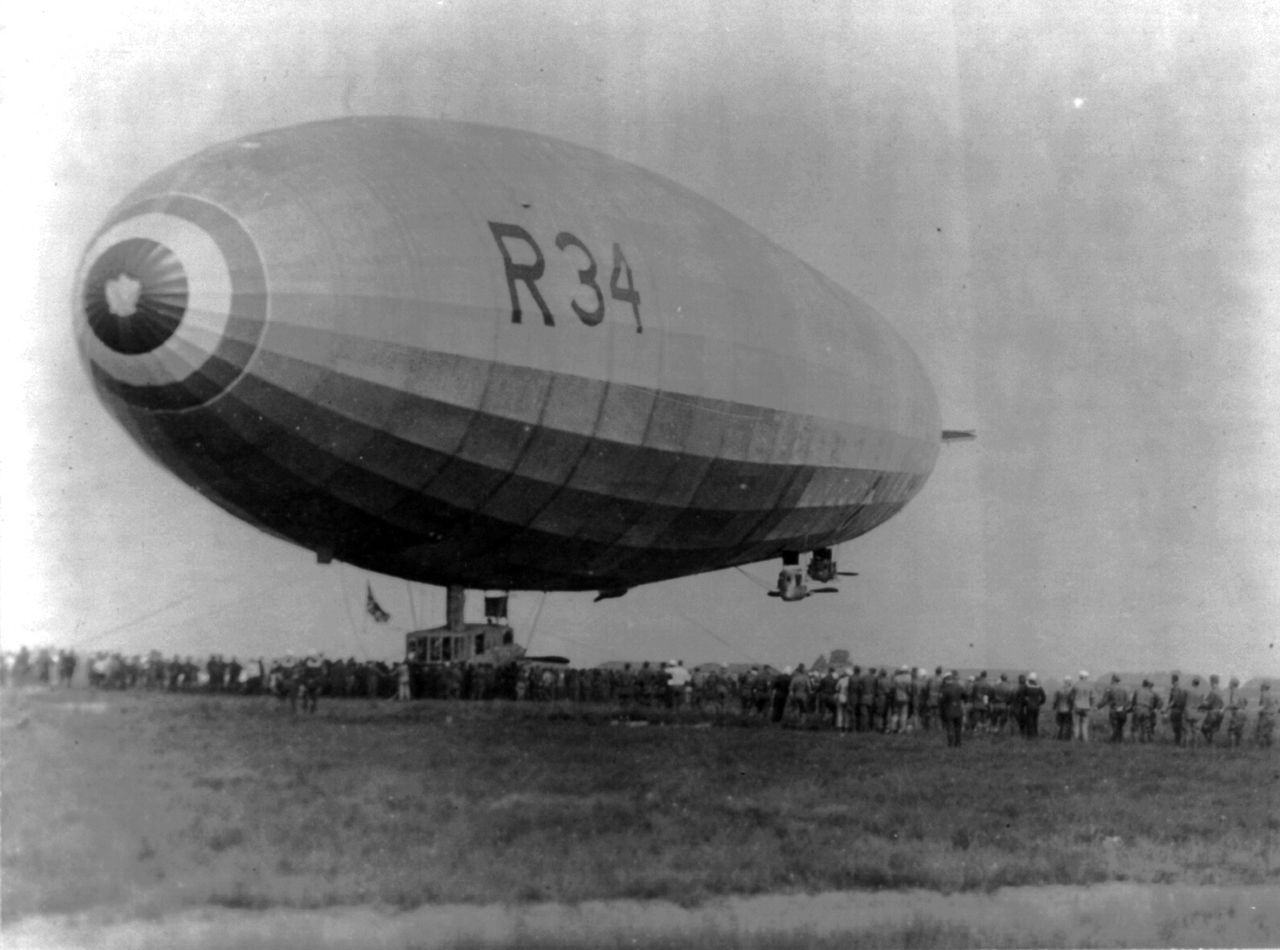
141	805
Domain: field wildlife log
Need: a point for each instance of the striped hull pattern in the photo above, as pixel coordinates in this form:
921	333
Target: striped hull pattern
417	488
390	341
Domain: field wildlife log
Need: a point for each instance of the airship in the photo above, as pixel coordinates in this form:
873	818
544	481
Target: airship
480	357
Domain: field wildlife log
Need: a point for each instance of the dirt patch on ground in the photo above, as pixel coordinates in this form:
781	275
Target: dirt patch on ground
1102	915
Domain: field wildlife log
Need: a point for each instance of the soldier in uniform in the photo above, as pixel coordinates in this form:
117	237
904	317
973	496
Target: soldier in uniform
747	691
951	708
882	700
842	701
863	688
1193	712
932	697
1177	709
1018	706
1145	703
404	676
827	711
1266	724
980	703
1035	698
1001	704
798	695
900	687
1062	708
1116	701
1082	706
1211	706
1237	712
781	687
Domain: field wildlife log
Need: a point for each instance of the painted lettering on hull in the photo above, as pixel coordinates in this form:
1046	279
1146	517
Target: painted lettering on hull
527	265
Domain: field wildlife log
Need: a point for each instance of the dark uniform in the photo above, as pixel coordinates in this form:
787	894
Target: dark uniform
1002	695
1033	699
1062	708
1145	702
1262	732
1237	712
951	708
1116	701
1211	706
1177	709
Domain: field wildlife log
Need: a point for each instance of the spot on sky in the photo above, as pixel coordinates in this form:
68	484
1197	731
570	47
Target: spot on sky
1078	102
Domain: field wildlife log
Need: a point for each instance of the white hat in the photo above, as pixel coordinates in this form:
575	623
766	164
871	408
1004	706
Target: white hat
1084	674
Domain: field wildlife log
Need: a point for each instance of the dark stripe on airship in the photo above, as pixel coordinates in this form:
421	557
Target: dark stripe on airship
307	472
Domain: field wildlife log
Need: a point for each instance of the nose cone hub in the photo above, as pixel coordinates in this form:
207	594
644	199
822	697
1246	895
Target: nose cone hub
171	304
135	296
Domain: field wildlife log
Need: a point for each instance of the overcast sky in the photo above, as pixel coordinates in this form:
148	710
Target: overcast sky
1074	218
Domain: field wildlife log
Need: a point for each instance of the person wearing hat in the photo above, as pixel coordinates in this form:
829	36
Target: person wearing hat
1145	702
1116	701
1177	708
1266	723
951	708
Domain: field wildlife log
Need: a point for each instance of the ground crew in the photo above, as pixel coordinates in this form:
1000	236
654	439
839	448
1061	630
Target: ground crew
951	708
1195	709
842	700
862	688
1033	698
1062	708
1116	701
1237	712
1145	703
1001	700
1266	725
901	692
932	697
1082	706
1211	706
1177	709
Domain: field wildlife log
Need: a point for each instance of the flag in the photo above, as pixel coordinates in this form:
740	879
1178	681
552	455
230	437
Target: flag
372	606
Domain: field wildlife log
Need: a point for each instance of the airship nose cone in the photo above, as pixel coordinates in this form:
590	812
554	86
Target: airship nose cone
170	303
135	296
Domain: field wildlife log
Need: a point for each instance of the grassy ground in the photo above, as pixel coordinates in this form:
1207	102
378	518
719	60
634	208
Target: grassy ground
149	804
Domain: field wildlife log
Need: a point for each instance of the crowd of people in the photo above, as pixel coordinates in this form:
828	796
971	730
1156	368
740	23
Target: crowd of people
844	698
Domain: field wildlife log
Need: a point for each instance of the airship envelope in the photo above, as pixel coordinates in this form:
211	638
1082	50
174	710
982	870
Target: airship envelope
483	357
